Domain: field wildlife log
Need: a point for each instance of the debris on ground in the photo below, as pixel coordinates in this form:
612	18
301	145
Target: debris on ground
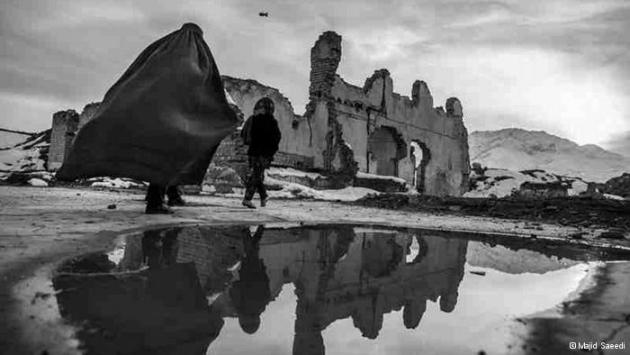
584	212
40	295
618	186
613	233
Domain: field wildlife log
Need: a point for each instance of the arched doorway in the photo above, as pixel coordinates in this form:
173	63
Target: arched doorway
420	156
385	149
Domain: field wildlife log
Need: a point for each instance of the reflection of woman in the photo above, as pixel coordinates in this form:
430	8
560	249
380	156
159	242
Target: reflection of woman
250	294
162	310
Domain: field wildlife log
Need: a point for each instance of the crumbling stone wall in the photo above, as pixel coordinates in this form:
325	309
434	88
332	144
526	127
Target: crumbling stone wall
344	116
331	150
373	279
64	128
232	152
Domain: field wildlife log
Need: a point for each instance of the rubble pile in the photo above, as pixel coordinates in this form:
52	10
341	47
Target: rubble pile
619	186
534	183
571	211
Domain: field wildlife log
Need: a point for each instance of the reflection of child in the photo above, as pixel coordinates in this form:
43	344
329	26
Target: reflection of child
250	294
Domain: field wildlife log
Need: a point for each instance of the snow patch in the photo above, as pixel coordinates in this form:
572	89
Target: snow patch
117	183
292	172
503	182
16	159
293	190
208	189
577	187
362	175
25	156
37	182
229	98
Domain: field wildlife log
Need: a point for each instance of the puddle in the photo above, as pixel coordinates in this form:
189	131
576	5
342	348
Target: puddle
310	290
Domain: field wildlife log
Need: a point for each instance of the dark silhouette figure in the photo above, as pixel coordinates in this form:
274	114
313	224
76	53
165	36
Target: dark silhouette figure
250	294
161	122
261	133
263	14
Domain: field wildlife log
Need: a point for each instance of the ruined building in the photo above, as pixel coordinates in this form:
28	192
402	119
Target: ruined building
340	273
371	129
348	129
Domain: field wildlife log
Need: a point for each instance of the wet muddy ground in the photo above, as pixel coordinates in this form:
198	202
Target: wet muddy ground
188	286
311	290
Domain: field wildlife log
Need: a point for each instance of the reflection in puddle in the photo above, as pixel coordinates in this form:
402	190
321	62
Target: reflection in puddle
345	290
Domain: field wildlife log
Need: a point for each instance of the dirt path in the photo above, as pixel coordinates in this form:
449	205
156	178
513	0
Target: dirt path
40	221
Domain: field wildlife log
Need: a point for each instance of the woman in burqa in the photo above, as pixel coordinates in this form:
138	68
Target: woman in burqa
161	122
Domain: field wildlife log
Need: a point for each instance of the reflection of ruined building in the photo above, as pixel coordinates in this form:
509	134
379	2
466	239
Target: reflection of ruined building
178	303
212	250
362	275
347	128
338	273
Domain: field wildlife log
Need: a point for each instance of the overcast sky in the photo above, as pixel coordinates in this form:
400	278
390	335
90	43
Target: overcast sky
562	66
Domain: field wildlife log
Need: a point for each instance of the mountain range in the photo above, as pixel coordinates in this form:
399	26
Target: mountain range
518	149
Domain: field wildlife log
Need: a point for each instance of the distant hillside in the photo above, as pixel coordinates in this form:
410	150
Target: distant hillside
517	149
23	152
502	259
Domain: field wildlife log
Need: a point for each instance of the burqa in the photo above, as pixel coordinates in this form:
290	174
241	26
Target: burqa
162	120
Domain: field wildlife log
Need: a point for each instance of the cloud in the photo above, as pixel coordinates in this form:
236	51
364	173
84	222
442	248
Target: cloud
557	65
29	110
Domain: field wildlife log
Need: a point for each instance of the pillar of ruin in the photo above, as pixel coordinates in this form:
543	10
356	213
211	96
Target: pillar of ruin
421	95
454	107
325	58
64	128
